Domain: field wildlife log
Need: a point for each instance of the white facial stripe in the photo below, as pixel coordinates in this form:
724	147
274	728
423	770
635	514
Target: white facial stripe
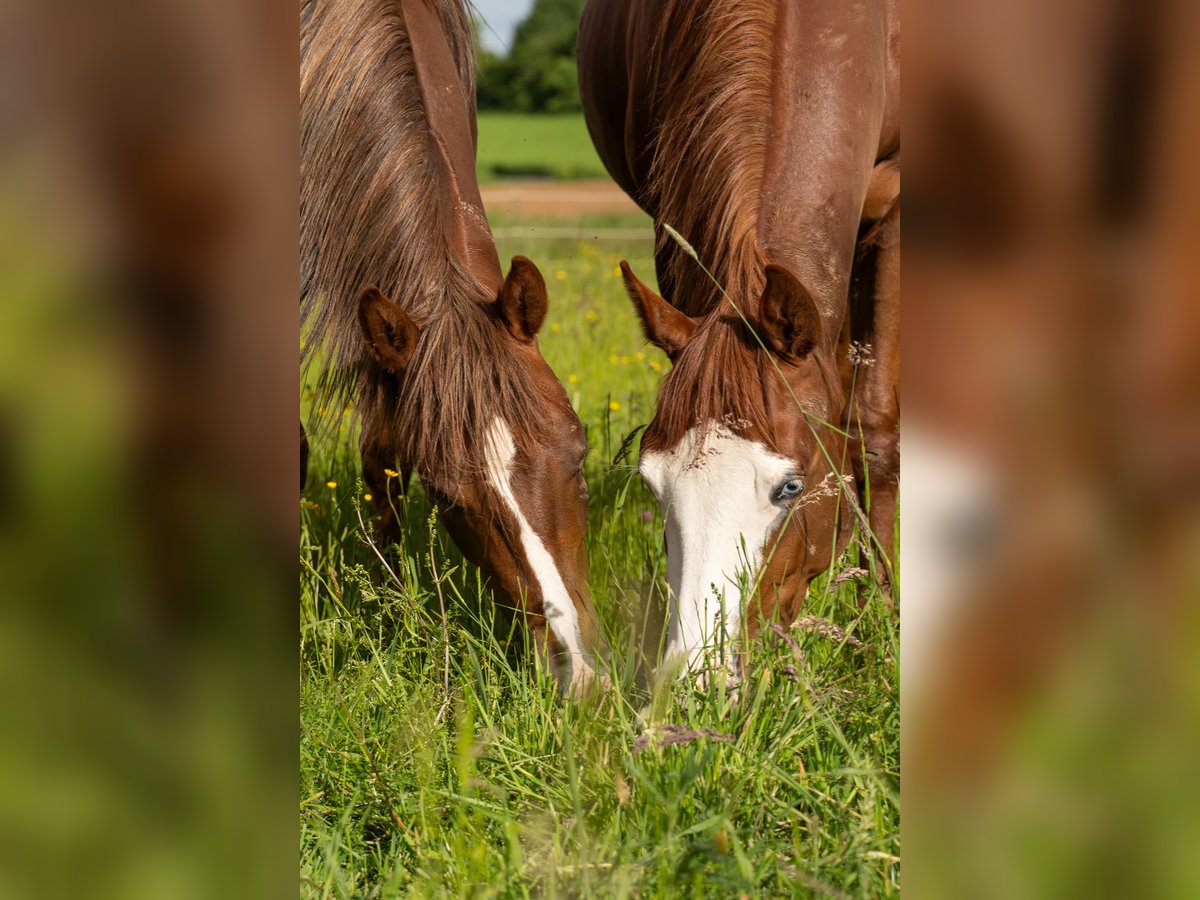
715	491
558	606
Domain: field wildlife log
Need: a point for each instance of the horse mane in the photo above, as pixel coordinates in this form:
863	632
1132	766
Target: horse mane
710	147
370	214
718	377
705	178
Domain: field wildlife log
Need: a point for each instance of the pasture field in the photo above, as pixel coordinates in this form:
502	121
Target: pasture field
498	787
528	145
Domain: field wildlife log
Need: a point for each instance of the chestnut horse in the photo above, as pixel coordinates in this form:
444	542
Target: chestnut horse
409	314
765	133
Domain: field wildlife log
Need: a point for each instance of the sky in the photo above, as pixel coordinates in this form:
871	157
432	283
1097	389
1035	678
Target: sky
503	16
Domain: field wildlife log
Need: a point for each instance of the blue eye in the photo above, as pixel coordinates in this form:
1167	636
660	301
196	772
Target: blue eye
789	489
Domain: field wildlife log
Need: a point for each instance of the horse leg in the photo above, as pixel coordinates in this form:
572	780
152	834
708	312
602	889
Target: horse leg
877	406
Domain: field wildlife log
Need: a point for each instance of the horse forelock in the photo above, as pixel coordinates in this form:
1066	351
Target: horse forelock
725	377
717	379
464	375
711	146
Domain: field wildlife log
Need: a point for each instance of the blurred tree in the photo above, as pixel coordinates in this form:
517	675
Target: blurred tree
538	75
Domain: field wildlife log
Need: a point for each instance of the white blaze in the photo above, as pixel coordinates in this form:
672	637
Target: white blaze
558	607
715	491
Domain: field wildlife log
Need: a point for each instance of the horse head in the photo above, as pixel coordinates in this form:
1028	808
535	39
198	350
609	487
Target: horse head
748	474
486	424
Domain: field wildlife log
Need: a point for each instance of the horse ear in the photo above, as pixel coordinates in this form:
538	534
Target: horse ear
389	332
664	326
790	322
522	301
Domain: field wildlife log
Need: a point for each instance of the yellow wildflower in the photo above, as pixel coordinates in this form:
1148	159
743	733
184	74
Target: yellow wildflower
572	378
331	484
639	356
614	405
612	359
624	360
367	497
555	327
391	473
655	365
617	271
591	315
560	275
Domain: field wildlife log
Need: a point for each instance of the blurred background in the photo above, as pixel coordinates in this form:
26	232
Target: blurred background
1050	449
148	508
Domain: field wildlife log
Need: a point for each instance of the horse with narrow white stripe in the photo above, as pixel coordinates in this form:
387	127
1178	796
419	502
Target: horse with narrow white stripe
410	316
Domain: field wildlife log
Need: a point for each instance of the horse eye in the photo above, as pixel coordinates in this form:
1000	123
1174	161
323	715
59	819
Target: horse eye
790	488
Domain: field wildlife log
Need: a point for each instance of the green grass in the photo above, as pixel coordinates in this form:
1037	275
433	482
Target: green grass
521	145
515	792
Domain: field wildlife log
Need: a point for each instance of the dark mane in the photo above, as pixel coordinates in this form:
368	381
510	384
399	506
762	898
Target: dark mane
710	149
371	214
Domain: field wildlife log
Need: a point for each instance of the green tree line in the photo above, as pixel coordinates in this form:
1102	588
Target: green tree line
538	73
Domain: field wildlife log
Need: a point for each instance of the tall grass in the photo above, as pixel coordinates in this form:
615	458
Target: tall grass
791	788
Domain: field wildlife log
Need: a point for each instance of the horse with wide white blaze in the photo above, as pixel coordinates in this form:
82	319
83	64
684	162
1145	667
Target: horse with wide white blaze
409	313
767	135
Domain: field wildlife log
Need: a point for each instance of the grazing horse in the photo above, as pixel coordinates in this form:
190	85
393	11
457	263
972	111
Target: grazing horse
766	134
409	313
